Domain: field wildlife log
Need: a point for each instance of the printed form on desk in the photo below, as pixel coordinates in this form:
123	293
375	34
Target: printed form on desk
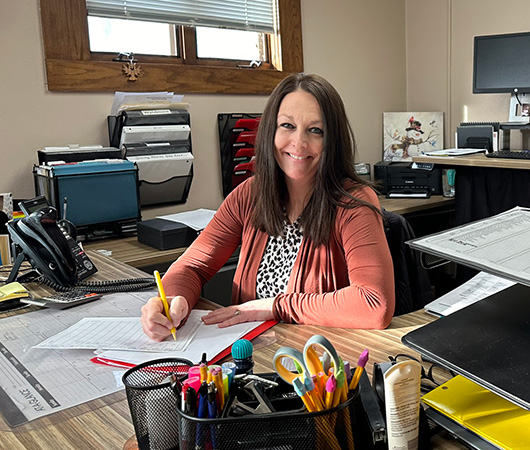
30	385
479	287
499	245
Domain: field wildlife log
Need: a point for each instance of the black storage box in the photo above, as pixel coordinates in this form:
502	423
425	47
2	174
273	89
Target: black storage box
165	234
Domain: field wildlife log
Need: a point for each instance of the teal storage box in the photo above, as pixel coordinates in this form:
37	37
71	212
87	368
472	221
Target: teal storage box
99	197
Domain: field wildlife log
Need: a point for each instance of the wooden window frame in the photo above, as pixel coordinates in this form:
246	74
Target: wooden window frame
71	67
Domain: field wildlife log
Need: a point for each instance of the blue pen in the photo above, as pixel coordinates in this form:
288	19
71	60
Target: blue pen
212	413
201	414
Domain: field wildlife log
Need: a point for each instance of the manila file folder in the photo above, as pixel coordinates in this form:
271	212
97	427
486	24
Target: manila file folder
490	416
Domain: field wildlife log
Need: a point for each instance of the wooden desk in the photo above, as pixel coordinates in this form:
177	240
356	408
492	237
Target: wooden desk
105	423
485	186
476	160
141	256
406	206
134	253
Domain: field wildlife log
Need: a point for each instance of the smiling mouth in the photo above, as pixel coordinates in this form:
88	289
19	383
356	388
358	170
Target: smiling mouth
299	158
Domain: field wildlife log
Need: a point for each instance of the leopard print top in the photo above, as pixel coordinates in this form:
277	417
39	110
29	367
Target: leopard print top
278	261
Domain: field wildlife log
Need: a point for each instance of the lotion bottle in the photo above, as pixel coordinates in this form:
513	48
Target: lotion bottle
402	405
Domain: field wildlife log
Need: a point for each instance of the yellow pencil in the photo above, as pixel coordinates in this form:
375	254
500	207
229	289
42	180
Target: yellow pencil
164	301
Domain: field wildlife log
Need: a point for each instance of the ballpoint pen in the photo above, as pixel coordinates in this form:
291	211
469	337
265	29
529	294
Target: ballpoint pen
176	385
212	413
363	359
202	412
162	294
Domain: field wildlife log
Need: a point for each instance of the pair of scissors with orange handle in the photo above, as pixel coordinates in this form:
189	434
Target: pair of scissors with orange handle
308	365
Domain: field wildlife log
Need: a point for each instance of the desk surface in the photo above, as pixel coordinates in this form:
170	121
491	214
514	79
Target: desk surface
106	424
136	254
476	160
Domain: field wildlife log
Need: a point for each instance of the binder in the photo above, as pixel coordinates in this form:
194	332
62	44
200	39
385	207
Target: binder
486	414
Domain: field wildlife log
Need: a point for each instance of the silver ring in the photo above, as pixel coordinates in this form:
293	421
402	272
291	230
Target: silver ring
237	312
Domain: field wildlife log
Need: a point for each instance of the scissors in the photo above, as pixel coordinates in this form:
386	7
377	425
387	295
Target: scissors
308	364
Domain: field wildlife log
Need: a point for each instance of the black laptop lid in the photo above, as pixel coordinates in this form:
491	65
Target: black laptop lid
488	342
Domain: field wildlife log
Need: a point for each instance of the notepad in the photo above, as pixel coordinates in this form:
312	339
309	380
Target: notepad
490	416
13	290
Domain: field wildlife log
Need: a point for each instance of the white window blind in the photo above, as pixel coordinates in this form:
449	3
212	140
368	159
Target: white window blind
249	15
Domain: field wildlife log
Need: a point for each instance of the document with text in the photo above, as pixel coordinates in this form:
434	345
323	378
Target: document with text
499	245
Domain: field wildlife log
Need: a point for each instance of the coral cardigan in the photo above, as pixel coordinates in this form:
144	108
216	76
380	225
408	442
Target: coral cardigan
348	282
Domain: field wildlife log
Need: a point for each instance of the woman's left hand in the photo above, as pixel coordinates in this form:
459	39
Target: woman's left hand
251	311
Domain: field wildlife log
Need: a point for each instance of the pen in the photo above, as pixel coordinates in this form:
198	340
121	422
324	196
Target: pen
363	359
212	413
164	301
200	438
176	385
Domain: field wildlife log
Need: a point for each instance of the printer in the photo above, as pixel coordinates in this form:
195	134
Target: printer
407	179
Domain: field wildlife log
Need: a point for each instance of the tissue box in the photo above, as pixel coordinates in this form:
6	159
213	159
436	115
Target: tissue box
165	234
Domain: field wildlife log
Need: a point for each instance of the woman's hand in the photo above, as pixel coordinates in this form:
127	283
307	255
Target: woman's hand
254	310
154	321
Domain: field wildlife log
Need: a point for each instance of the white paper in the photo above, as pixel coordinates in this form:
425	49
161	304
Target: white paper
123	99
454	152
210	339
38	382
477	288
120	333
499	245
197	219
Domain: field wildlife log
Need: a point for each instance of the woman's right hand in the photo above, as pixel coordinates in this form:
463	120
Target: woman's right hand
154	321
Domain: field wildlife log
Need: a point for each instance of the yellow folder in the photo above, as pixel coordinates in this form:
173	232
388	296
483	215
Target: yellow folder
490	416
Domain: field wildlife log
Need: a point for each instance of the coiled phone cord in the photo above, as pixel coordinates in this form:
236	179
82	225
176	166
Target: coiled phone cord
102	287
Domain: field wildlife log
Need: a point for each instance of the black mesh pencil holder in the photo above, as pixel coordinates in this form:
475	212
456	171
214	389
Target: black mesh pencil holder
152	402
290	427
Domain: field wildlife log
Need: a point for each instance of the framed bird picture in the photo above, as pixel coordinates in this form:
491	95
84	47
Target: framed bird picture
408	134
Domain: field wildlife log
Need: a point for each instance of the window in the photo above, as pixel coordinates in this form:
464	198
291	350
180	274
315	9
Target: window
184	60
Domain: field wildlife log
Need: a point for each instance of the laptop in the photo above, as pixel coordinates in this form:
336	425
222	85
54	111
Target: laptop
486	342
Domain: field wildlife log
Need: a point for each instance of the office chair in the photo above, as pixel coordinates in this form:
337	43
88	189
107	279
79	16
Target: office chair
412	284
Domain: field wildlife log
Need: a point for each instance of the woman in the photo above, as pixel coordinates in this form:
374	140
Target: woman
313	248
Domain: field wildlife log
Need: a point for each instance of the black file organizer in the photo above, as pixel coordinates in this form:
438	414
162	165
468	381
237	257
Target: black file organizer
173	189
228	134
167	427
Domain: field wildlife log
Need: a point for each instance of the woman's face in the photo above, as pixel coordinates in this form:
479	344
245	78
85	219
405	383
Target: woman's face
299	138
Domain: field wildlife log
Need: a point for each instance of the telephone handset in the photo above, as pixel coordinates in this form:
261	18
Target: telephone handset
49	247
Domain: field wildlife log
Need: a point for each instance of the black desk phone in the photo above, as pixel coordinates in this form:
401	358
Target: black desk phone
49	244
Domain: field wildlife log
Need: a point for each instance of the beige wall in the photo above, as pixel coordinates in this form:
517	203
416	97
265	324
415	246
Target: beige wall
440	57
384	55
359	46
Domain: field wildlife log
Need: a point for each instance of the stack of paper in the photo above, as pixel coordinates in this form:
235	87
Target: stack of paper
454	152
150	100
122	340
